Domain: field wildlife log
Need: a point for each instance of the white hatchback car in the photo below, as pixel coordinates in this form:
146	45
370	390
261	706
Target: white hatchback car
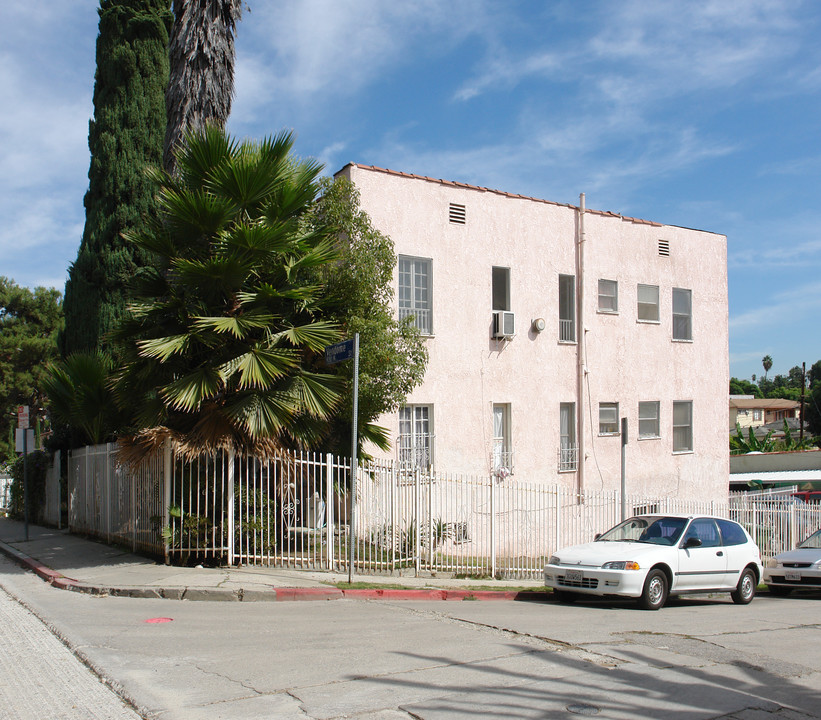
796	569
651	557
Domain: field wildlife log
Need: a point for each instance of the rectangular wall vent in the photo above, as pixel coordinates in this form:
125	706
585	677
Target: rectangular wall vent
457	213
664	248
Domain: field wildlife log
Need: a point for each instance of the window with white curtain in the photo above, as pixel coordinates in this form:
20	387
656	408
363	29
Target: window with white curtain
568	450
608	296
648	303
649	419
608	418
683	426
415	292
502	452
415	444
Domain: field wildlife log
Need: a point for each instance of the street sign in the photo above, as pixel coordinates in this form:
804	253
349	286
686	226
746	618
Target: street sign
339	351
22	416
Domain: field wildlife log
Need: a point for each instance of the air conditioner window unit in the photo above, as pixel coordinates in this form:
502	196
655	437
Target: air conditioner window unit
503	324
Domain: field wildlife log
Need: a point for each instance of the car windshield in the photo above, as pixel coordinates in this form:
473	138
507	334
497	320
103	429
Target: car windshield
813	541
652	529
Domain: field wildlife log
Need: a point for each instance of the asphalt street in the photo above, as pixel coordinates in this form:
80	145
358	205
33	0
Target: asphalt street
392	660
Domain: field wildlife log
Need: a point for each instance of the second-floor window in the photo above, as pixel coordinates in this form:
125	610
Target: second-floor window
415	292
567	308
682	314
648	303
608	418
683	426
608	296
649	419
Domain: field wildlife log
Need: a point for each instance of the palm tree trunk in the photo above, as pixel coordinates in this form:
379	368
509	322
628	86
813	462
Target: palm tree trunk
201	79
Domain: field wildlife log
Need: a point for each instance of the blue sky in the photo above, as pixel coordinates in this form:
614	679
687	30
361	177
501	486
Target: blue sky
700	114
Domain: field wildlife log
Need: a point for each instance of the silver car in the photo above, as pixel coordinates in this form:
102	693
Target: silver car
796	569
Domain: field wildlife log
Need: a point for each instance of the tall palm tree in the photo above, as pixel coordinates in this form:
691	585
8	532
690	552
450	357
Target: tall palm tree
767	362
224	345
201	72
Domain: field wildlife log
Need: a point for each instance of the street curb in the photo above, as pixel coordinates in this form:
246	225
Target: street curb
290	594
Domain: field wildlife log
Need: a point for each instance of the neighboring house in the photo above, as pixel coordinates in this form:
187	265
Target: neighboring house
753	412
546	326
799	468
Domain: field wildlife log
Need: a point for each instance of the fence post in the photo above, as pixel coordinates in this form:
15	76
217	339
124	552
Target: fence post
330	501
492	527
166	496
230	508
417	531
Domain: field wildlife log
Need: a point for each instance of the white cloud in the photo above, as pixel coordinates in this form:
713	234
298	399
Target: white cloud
798	304
312	51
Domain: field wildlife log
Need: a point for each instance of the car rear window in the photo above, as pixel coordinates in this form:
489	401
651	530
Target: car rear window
731	533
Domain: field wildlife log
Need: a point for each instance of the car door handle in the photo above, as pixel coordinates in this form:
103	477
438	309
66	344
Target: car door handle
720	553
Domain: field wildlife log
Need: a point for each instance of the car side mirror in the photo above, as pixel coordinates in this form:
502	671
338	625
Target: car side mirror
596	536
692	542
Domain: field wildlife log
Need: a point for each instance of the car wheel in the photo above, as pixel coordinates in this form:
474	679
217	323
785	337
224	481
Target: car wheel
779	590
563	596
745	590
655	590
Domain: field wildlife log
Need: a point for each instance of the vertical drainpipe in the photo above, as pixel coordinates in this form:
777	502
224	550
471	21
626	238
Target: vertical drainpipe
580	341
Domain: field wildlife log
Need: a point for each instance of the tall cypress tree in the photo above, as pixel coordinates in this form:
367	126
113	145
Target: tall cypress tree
125	135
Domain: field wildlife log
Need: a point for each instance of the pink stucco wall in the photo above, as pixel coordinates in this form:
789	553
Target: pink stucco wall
626	361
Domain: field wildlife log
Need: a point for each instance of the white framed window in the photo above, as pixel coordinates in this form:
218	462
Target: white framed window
756	415
682	314
415	292
567	308
649	419
608	296
648	303
568	449
501	452
683	426
415	444
608	418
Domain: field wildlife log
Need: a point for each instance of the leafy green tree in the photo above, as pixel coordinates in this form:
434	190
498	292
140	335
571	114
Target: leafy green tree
814	374
393	356
744	387
125	136
224	344
29	324
201	80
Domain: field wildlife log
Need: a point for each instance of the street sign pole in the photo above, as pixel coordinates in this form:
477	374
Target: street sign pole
22	424
623	468
347	350
354	454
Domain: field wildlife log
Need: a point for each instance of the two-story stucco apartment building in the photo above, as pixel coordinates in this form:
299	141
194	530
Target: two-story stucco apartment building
546	325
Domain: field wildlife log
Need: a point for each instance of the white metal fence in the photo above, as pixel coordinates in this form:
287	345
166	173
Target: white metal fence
5	493
294	512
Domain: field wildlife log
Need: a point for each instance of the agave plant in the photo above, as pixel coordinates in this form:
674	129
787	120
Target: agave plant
223	346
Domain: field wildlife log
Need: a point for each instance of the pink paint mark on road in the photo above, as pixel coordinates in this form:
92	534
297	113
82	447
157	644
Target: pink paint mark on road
159	620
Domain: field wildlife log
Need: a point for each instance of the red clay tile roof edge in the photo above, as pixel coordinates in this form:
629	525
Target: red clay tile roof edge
605	213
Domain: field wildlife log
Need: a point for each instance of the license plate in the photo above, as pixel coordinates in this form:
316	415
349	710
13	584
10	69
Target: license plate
792	576
573	575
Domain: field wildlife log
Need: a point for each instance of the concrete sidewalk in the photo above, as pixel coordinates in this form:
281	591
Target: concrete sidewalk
70	562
